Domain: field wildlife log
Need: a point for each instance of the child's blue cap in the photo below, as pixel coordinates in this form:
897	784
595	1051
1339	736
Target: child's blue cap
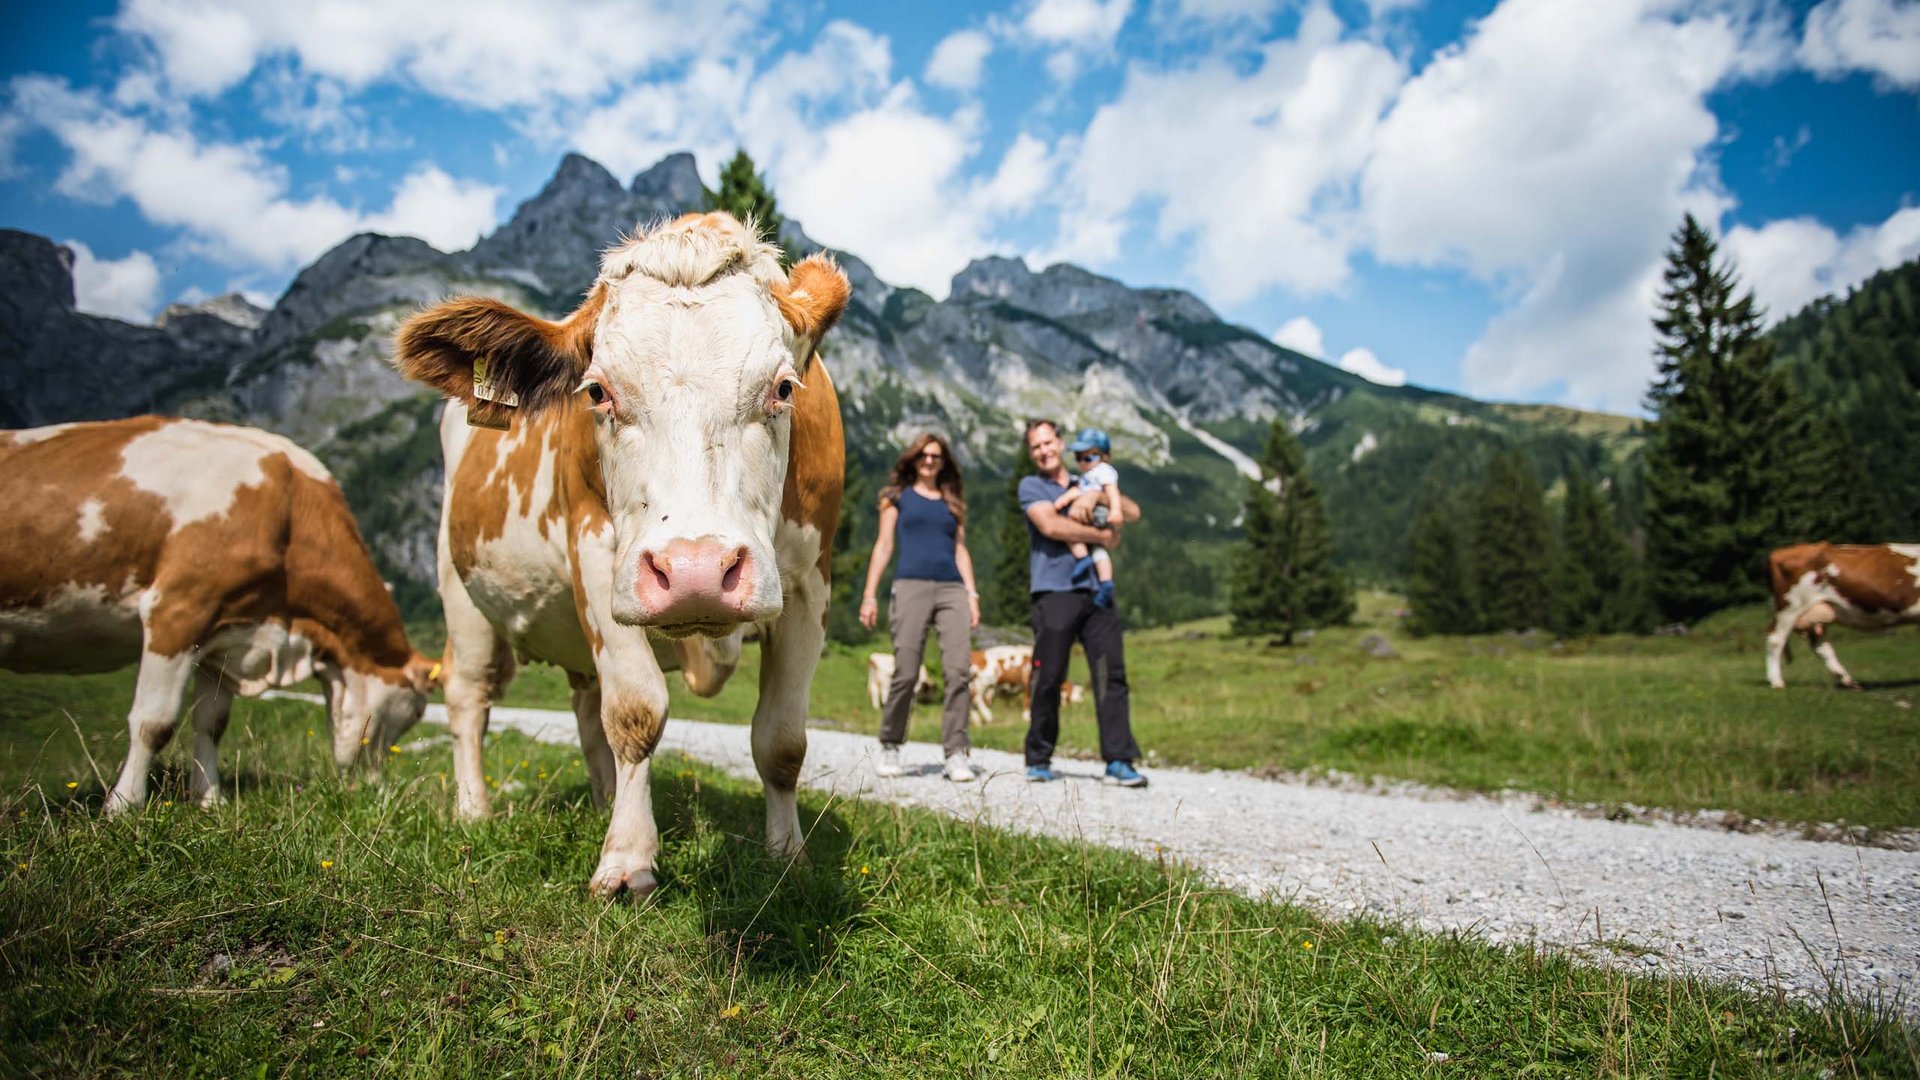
1091	439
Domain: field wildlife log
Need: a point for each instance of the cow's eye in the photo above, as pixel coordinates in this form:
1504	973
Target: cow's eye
784	391
597	394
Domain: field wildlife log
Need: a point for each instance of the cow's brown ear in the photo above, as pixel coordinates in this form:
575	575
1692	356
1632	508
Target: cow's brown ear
516	359
815	294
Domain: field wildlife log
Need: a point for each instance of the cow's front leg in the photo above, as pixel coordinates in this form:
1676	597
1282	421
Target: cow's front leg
212	705
633	710
789	652
1777	640
593	738
479	664
161	683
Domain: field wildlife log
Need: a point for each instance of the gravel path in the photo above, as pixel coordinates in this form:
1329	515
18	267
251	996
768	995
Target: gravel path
1767	911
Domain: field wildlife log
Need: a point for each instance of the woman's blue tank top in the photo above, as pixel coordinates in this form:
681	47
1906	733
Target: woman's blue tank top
924	536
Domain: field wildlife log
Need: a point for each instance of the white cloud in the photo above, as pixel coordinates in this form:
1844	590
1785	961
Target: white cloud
1303	336
1363	363
489	53
1550	154
1084	24
1793	262
1879	36
957	61
448	213
124	288
232	202
1253	164
1224	11
1026	171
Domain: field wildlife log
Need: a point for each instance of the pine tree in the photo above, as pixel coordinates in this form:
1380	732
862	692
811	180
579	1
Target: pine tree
1733	461
744	194
1594	591
1284	579
1006	599
1440	588
851	550
1513	552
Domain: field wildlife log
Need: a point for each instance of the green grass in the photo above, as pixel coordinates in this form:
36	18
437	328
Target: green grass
1685	723
317	926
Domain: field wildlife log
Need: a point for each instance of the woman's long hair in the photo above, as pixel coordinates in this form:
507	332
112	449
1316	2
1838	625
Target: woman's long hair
952	489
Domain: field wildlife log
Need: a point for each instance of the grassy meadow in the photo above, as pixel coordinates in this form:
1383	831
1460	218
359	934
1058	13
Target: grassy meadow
1677	723
321	926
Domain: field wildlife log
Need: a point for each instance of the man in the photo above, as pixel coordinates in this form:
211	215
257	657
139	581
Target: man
1063	611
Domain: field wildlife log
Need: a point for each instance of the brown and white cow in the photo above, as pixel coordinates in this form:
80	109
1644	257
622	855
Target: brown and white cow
880	669
672	474
1005	669
1870	586
218	555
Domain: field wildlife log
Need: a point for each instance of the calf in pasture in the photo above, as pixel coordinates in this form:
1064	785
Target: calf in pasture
1004	669
217	555
1870	586
880	669
669	473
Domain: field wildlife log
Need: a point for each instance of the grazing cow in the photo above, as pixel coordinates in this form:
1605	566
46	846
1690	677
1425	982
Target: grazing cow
627	490
1004	669
880	669
1870	586
219	555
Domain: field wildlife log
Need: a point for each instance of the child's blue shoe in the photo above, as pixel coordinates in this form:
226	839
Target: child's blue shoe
1083	566
1103	596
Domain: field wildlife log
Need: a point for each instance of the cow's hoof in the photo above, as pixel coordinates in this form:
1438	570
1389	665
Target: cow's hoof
611	880
212	800
1849	684
1778	685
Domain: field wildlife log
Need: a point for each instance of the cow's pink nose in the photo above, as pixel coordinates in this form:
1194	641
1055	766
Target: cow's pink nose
695	581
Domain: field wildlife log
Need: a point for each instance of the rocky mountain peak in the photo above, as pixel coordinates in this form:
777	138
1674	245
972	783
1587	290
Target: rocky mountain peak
994	277
35	272
230	308
673	181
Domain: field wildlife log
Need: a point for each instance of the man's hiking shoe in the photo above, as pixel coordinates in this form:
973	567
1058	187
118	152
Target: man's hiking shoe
1123	774
1041	774
959	770
889	763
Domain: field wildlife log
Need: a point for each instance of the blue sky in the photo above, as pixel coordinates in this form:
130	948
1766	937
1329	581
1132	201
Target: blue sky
1472	196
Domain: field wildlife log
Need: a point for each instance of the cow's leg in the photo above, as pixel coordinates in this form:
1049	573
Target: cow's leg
1817	637
789	652
479	664
1777	639
593	738
633	711
212	705
158	688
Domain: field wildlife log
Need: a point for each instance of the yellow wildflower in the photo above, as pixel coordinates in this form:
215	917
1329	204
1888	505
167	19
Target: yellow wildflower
1306	944
394	749
71	784
863	869
730	1012
326	864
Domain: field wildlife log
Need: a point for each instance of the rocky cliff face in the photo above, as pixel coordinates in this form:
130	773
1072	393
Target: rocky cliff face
1184	394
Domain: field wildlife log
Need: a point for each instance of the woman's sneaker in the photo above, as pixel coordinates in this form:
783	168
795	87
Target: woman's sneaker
1124	774
1041	774
958	769
889	763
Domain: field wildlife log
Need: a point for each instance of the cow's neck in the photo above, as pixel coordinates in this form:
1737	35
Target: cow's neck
332	588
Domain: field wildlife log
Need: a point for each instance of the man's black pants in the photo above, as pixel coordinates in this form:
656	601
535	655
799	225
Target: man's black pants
1058	619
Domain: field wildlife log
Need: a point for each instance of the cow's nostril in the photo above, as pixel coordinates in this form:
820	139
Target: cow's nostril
660	579
731	566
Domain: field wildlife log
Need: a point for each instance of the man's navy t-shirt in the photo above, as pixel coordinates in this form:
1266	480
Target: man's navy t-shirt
1049	562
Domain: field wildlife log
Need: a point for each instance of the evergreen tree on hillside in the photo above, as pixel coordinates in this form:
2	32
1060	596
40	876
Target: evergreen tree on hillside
1513	552
744	194
1004	597
1284	577
851	550
1594	588
1733	459
1440	586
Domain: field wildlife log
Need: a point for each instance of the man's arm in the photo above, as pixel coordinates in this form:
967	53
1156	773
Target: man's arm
1053	526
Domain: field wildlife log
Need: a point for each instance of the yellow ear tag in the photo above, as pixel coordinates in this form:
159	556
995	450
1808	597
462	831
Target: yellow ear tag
434	674
490	401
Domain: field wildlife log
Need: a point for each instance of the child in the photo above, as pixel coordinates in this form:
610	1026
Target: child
1094	452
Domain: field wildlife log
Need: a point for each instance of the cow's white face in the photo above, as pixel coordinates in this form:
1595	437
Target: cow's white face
368	714
692	393
690	350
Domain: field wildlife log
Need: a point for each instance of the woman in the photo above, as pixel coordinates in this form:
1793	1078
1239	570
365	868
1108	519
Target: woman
923	511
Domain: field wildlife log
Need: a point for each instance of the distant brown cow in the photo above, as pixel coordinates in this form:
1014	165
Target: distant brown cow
208	554
1870	586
